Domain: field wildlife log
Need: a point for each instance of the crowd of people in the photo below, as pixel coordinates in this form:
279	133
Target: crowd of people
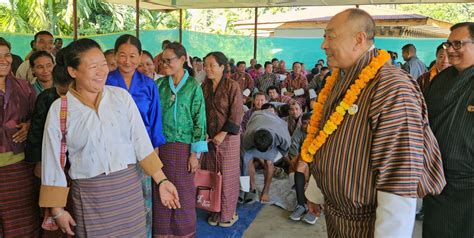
108	142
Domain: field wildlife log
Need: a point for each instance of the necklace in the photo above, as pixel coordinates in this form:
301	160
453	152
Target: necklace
317	137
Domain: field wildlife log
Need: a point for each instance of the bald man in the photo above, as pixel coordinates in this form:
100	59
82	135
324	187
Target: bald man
379	160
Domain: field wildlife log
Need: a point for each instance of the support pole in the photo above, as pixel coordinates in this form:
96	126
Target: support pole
255	34
137	18
181	26
74	18
52	18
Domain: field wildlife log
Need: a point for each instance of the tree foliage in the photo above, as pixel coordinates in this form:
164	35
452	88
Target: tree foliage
450	12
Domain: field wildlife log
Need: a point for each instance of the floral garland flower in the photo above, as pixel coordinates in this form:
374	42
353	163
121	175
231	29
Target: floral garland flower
433	72
317	136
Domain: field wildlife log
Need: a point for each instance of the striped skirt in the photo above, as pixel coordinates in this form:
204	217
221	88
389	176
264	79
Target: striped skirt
109	205
228	156
147	196
349	222
19	210
180	222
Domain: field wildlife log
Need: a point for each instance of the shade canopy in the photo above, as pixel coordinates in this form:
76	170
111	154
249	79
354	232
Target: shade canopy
209	4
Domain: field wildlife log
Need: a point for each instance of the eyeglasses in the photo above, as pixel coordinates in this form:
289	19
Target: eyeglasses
457	44
168	61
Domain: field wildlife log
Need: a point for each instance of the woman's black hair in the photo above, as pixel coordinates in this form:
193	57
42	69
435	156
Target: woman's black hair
273	87
109	52
128	39
268	105
72	56
60	74
147	54
221	60
179	50
38	54
5	43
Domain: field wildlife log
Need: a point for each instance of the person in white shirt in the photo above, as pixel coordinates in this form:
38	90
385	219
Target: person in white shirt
199	73
105	139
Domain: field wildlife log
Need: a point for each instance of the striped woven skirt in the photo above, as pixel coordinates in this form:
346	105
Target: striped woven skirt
228	158
180	222
19	210
147	197
109	205
349	222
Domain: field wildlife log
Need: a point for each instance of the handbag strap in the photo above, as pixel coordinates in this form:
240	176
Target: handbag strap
62	121
218	169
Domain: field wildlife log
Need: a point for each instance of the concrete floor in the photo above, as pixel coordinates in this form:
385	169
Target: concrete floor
274	222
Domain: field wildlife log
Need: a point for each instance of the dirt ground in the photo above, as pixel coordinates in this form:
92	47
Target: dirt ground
274	222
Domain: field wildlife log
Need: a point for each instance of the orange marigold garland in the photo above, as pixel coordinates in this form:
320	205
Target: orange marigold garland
433	72
317	136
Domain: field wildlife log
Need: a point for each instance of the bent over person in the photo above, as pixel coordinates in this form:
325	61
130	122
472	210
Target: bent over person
372	150
266	140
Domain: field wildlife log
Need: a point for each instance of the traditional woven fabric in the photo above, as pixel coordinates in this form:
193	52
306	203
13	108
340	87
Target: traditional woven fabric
228	159
19	211
109	205
147	196
386	146
180	222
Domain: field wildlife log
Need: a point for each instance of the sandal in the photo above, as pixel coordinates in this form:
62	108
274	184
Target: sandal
230	223
213	219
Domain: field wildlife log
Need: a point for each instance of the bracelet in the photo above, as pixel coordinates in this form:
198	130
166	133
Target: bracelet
162	181
58	215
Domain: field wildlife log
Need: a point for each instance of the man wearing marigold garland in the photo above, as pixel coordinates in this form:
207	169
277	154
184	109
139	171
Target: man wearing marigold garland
371	149
440	64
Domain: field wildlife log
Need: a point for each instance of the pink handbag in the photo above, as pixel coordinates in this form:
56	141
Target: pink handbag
48	222
208	188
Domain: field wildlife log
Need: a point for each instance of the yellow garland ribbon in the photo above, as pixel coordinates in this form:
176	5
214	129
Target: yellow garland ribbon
317	136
